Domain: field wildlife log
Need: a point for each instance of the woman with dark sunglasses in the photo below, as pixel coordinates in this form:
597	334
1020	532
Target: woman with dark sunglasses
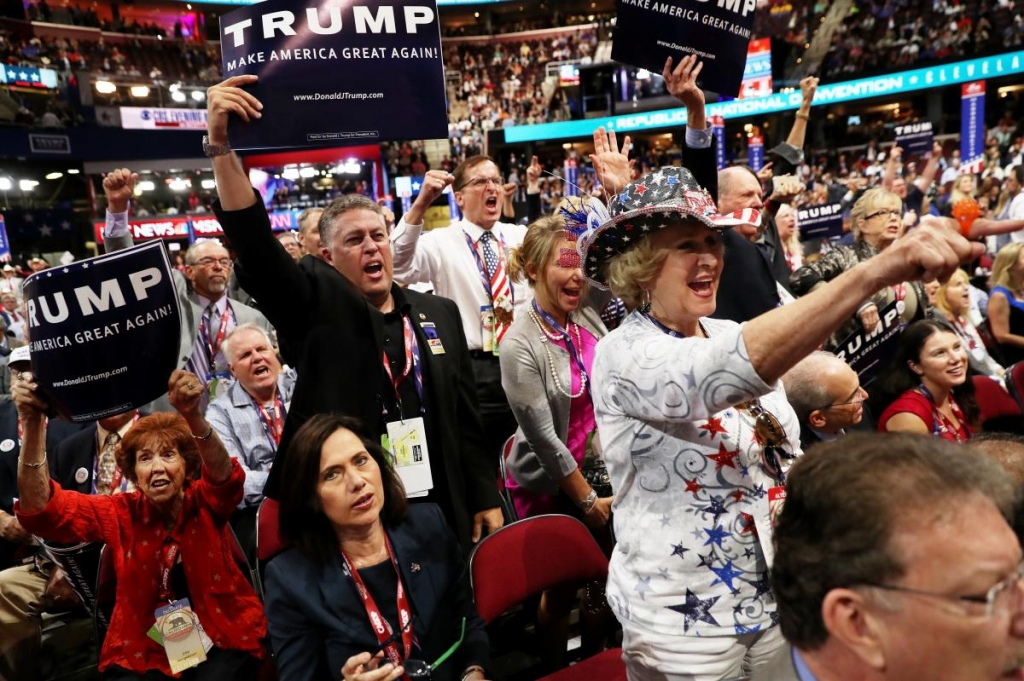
372	589
695	426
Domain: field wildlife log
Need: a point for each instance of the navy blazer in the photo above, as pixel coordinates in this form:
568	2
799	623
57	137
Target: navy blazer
316	620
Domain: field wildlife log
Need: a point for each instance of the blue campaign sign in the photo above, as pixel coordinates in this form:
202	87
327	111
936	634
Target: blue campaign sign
915	138
865	88
104	331
869	353
824	221
333	74
647	32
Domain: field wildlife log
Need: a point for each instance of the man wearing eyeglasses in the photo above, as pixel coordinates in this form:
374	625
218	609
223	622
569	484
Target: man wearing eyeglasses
827	397
467	262
895	561
207	314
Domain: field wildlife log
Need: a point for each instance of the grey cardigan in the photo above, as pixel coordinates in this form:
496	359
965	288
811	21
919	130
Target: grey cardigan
539	454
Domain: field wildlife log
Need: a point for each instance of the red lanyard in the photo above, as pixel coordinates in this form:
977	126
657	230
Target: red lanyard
272	419
213	348
412	364
960	326
381	627
941	423
168	556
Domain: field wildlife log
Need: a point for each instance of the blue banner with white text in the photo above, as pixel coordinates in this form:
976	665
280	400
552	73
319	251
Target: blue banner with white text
972	127
755	152
5	244
824	221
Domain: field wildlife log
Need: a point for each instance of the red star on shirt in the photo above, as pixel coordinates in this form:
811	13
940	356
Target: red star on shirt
713	426
748	524
724	457
738	495
693	486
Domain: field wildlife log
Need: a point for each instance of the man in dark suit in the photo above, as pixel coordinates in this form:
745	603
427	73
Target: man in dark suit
895	560
369	348
827	397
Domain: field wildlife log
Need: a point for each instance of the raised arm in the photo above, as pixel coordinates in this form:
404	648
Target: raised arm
895	154
184	392
931	169
222	100
119	187
414	261
798	133
33	473
778	339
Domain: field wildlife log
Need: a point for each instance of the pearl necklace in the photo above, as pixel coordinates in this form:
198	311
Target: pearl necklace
554	337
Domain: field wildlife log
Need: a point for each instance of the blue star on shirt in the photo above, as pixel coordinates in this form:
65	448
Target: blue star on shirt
715	507
726	574
740	629
759	490
716	536
695	610
761	585
678	550
706	561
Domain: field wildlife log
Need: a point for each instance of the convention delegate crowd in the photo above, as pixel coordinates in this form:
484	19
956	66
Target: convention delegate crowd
661	362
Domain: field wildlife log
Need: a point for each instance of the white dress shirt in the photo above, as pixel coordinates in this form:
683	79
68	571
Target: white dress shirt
442	257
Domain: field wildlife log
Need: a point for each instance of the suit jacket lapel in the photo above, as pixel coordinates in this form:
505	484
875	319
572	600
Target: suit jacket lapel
338	589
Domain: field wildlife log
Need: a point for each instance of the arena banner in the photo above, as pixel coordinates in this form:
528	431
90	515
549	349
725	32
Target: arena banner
145	118
972	127
868	353
5	244
104	331
718	123
757	73
755	152
334	73
650	31
915	138
824	221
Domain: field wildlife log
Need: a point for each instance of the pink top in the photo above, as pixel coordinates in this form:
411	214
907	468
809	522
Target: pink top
581	410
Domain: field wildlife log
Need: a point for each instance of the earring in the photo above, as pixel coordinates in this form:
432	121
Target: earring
645	301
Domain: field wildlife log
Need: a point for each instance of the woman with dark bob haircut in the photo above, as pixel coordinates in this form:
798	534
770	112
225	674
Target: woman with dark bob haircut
169	539
369	583
928	389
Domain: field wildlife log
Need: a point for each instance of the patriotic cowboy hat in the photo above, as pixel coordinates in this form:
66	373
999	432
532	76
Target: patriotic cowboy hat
645	206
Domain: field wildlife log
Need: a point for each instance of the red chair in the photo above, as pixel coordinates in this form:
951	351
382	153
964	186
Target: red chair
530	556
506	498
999	411
268	539
1015	382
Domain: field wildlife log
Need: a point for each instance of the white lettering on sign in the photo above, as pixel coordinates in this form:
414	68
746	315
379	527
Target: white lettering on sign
89	302
283	22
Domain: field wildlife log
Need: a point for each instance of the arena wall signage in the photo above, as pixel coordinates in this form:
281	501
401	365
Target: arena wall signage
972	127
868	353
824	221
333	74
104	331
865	88
202	227
648	32
142	118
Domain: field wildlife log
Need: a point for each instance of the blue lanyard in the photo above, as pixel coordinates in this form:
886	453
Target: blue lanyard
662	327
577	355
483	270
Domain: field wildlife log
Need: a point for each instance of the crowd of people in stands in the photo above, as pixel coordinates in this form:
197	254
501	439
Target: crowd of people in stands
879	35
553	19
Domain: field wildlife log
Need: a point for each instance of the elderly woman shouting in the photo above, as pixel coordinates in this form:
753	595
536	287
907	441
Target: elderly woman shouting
696	429
177	580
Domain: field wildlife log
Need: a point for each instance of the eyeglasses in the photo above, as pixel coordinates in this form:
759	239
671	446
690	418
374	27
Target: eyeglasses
889	213
210	262
419	669
481	182
860	396
772	436
1005	598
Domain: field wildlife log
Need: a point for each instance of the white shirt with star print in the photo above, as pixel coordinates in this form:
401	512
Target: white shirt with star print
688	479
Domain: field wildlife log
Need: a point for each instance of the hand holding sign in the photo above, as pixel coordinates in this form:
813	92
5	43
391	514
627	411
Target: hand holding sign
612	165
226	98
869	317
27	397
119	187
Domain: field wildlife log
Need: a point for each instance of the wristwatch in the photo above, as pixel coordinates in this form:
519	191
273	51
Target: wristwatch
212	150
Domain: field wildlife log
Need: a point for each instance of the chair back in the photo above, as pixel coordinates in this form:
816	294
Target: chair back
506	498
999	411
106	591
988	339
268	539
1015	382
530	556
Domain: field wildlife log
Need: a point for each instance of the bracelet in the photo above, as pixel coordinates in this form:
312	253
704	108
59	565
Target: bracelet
203	438
472	670
588	502
804	116
32	465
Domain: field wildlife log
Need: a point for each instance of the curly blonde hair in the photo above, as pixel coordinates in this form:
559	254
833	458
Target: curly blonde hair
629	273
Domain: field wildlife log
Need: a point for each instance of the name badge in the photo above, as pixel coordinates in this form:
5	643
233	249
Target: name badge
177	628
487	328
430	331
768	509
407	442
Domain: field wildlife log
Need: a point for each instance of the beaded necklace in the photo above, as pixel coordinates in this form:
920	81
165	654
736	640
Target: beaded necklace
546	340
